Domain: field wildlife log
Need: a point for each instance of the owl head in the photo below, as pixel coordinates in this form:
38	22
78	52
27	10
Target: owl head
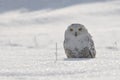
77	29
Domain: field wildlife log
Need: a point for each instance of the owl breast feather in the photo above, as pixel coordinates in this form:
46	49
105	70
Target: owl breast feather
77	43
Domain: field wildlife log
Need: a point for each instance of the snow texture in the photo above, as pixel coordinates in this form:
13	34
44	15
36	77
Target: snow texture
28	43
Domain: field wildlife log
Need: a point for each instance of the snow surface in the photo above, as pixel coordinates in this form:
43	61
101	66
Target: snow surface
8	5
28	40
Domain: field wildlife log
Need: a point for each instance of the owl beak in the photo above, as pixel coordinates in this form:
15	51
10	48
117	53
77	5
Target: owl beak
76	34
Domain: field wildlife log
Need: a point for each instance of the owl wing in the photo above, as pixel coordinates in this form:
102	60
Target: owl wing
92	50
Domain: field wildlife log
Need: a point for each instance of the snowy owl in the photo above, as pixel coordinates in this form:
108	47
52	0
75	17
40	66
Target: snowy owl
78	42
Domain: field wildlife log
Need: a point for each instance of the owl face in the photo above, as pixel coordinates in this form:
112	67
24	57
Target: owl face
77	29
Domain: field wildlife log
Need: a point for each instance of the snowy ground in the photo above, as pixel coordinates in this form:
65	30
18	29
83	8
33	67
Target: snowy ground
27	43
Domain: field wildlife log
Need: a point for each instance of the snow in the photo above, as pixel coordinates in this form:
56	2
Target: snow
8	5
28	41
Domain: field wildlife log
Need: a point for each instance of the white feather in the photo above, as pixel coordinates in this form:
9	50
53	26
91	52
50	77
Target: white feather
77	44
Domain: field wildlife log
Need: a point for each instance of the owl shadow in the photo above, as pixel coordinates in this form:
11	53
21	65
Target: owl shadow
77	59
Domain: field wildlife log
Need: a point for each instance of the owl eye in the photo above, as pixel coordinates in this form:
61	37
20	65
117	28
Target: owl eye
71	29
80	29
